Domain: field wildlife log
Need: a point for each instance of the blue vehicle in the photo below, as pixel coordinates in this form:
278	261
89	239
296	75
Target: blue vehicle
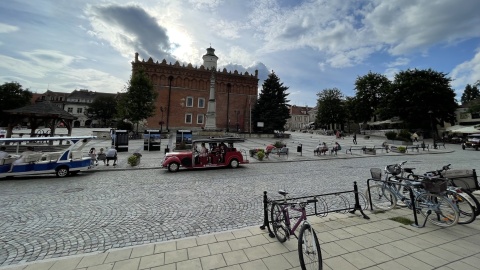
69	161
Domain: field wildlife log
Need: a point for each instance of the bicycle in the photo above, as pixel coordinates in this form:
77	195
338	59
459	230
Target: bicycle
428	198
468	205
309	251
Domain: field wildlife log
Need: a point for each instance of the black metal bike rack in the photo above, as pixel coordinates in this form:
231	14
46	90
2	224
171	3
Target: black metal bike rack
321	206
412	200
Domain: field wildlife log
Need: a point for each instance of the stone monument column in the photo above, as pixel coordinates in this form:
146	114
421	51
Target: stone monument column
210	123
210	63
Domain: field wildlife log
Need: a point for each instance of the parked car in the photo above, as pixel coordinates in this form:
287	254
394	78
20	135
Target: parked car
473	141
219	152
3	133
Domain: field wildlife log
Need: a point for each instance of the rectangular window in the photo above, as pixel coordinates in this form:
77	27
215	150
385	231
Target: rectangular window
189	102
201	103
200	118
70	110
79	110
188	118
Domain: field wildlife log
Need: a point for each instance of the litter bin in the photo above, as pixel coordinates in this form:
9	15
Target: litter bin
121	140
167	149
299	149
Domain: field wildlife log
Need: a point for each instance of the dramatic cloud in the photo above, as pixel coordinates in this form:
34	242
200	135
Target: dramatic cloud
5	28
130	29
467	72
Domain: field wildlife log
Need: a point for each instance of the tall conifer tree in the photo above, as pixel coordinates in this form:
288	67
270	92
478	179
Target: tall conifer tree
271	107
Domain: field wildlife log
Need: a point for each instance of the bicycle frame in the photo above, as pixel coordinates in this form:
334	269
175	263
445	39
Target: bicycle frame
302	219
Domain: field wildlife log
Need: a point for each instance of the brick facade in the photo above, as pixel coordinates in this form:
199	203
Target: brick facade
233	90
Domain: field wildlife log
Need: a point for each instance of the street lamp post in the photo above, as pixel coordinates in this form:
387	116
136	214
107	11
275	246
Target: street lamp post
433	130
228	105
161	120
170	79
236	113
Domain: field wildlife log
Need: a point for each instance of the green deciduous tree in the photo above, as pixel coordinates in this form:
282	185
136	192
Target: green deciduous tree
415	93
138	102
370	89
271	107
331	108
12	96
103	108
470	93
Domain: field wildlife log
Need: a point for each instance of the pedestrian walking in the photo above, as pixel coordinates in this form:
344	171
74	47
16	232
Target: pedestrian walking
355	138
415	137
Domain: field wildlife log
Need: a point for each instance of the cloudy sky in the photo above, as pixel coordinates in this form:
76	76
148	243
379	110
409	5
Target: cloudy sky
311	45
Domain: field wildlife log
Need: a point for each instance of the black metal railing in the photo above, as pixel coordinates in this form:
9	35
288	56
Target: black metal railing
334	202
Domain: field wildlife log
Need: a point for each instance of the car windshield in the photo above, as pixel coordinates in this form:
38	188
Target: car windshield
474	137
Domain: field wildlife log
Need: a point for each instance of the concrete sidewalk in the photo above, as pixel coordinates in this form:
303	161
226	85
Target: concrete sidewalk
347	242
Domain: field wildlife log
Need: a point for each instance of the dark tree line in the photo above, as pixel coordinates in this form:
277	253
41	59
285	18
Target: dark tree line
417	97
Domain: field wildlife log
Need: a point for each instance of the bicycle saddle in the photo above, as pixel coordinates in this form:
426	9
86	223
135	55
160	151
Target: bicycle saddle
282	192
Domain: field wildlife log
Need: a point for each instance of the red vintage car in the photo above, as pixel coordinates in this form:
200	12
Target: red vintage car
207	153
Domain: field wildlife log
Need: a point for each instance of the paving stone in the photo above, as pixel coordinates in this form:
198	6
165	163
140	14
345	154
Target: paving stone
118	255
255	253
176	256
257	265
194	264
196	252
213	262
238	244
277	262
129	264
152	260
235	257
92	260
220	247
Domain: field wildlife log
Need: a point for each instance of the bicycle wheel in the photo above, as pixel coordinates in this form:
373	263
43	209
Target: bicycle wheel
473	200
439	210
382	197
280	228
466	210
309	249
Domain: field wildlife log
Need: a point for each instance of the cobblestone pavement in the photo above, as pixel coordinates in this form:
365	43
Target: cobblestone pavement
120	207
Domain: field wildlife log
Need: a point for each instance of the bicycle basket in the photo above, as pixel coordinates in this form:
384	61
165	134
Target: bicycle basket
376	173
435	186
393	169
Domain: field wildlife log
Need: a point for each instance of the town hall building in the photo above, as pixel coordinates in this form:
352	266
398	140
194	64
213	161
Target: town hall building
200	97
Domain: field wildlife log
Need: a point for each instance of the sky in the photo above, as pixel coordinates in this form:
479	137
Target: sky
63	45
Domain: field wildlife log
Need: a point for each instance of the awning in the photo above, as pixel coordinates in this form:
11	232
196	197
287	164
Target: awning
454	127
468	130
384	122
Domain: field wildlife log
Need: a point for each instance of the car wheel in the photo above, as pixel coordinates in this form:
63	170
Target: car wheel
476	148
234	163
173	167
62	171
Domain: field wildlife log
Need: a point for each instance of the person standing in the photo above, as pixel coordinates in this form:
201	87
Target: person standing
355	138
93	155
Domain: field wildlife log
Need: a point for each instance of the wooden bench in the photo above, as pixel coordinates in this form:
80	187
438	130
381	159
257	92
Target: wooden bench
424	147
411	147
280	151
283	151
351	148
381	147
466	179
441	144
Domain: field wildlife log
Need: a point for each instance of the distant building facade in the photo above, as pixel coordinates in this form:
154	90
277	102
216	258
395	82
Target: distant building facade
75	103
184	94
300	118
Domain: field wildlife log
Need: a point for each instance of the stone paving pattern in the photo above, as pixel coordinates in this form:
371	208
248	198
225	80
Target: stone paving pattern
71	220
347	242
